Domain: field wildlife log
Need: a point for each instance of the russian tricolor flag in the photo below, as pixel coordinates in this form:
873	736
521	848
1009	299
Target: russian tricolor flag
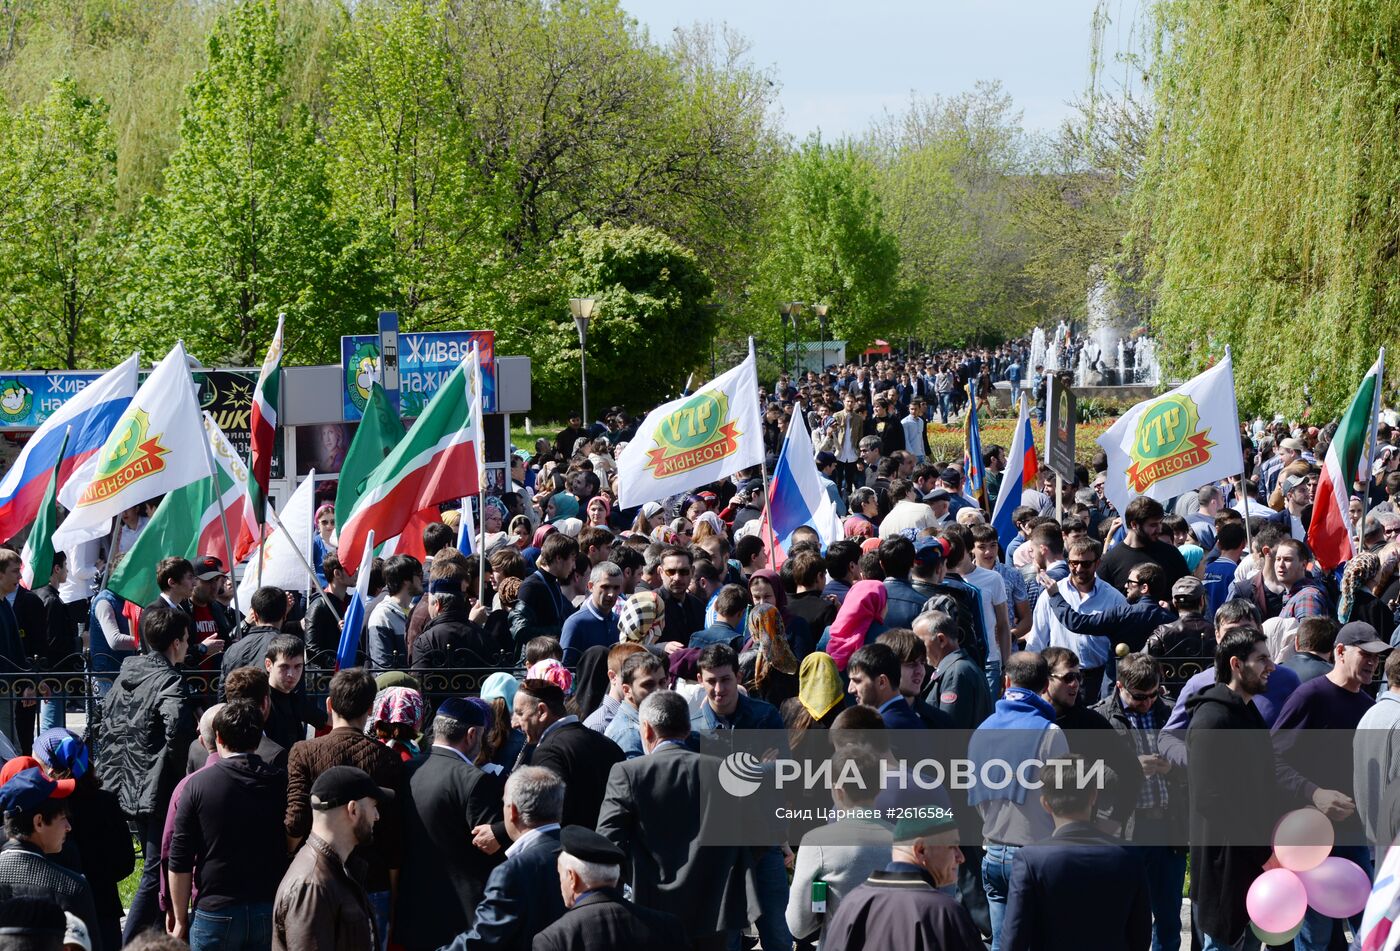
348	650
796	496
1022	468
90	417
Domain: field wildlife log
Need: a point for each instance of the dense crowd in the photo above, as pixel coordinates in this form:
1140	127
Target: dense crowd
561	803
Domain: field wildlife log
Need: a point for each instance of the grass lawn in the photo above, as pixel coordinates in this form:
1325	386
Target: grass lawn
126	888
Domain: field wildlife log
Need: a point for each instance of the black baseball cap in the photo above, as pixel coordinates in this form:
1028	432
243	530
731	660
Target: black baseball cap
208	567
1362	635
343	784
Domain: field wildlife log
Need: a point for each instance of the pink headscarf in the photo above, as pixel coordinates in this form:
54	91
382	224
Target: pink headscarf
553	671
864	605
541	533
857	527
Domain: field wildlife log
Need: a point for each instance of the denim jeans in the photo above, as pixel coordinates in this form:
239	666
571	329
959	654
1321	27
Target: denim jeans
1316	932
51	714
379	901
992	671
945	406
996	882
768	891
1166	874
246	926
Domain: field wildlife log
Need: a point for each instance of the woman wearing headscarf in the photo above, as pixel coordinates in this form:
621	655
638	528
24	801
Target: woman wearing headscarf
643	618
821	696
569	526
505	740
1357	603
521	531
766	587
592	680
495	515
767	667
860	620
561	505
599	511
396	720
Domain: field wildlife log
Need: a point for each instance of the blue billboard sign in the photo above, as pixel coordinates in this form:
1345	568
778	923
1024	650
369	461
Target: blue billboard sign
27	399
425	361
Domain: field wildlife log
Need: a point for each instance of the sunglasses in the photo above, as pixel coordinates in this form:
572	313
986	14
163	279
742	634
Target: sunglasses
1073	677
1140	697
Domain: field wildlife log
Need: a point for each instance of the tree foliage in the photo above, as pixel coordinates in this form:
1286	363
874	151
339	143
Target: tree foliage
1268	195
826	242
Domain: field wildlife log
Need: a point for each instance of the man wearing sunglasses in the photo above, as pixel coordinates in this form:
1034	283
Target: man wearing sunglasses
1138	709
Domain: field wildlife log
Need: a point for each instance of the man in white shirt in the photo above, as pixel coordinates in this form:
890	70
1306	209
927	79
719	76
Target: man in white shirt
1085	592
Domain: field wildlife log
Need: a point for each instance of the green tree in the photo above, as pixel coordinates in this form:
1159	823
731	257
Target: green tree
1267	203
243	230
401	171
650	326
64	246
826	241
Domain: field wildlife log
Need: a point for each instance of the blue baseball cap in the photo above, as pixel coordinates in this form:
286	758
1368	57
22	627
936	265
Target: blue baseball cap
61	748
29	789
930	551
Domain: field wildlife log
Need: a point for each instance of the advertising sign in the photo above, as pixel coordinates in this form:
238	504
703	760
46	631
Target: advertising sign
27	399
425	360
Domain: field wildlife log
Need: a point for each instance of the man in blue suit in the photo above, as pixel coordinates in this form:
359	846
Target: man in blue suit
874	672
522	896
1079	888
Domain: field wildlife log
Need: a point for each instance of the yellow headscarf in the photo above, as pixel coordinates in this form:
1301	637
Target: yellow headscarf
819	686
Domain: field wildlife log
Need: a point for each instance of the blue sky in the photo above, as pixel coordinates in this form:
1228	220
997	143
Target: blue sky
841	63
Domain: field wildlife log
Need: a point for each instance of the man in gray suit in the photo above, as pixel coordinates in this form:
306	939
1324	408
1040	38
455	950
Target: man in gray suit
654	811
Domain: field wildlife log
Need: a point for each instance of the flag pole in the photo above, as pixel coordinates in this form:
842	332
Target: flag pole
763	471
272	515
223	516
1371	428
478	432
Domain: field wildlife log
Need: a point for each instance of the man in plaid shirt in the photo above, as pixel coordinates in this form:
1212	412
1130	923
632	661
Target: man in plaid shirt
1138	708
1306	595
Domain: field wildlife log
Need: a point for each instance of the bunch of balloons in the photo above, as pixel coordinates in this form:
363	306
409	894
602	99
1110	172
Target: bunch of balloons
1308	875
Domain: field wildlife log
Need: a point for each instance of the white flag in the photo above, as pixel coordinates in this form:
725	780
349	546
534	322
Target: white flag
1176	442
281	565
156	447
694	440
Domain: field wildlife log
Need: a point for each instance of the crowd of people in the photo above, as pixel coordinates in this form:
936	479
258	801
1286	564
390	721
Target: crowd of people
562	801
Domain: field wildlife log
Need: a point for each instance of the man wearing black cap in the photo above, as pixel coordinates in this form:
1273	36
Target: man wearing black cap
211	619
912	898
590	868
319	905
1334	701
36	824
446	796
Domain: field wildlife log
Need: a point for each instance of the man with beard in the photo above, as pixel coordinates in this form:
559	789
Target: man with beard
1227	745
319	905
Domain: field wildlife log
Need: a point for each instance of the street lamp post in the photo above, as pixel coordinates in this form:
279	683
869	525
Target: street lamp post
821	310
785	309
714	319
582	309
796	308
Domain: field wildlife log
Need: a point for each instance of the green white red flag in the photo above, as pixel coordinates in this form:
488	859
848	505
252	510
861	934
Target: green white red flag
1331	534
263	426
436	461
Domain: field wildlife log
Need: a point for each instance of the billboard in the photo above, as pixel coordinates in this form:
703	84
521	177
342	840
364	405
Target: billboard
425	360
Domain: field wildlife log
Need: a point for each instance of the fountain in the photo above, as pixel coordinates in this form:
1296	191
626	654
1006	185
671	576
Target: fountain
1052	356
1146	369
1081	372
1122	362
1037	352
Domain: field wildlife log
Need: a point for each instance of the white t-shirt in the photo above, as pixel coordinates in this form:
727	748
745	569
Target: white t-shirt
992	591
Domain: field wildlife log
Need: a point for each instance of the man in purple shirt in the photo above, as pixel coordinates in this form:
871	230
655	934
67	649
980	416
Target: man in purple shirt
1234	615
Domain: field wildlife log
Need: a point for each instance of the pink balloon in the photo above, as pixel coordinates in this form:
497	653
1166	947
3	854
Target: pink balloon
1302	839
1276	901
1338	888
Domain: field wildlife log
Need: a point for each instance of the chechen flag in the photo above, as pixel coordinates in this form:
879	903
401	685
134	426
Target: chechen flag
1330	535
263	429
436	461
